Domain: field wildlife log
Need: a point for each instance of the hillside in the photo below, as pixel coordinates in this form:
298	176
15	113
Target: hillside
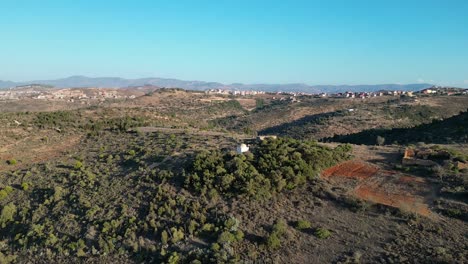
445	131
157	179
313	118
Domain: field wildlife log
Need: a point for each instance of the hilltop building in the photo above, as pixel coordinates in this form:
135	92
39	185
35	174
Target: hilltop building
242	148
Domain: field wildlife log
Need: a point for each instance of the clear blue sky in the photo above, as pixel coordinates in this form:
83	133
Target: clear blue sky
314	42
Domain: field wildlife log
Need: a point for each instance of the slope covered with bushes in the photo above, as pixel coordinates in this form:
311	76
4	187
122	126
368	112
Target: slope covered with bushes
270	167
446	131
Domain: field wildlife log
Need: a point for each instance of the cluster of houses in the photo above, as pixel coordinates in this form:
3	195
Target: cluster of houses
435	90
441	90
15	95
233	92
80	94
46	93
362	95
68	94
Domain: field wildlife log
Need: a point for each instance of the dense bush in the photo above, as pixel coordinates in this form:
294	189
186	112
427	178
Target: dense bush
55	119
273	165
120	124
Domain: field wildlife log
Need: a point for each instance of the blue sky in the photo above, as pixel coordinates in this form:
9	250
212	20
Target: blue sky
313	42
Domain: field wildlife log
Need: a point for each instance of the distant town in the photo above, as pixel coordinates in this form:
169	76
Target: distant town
46	92
41	92
435	90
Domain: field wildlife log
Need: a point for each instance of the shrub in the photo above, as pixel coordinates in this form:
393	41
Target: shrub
231	224
226	238
8	189
380	140
7	214
454	212
280	227
25	186
58	193
5	192
239	235
273	241
303	224
7	258
164	237
173	258
208	227
78	165
322	233
177	235
215	247
12	162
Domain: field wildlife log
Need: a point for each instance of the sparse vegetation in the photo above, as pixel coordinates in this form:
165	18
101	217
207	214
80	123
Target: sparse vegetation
87	186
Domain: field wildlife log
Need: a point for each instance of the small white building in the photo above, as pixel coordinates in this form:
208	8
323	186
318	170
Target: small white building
242	148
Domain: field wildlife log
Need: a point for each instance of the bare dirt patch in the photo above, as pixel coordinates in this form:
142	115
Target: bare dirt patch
391	188
247	103
35	148
352	169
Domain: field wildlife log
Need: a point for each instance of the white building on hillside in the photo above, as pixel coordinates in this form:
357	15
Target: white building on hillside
242	148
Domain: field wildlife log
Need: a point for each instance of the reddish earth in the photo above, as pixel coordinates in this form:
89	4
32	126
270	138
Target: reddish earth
390	188
351	169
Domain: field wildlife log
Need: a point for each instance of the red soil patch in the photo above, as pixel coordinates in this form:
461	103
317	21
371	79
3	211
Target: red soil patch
351	169
384	187
397	199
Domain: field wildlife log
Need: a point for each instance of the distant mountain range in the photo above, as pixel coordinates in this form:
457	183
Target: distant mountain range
115	82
